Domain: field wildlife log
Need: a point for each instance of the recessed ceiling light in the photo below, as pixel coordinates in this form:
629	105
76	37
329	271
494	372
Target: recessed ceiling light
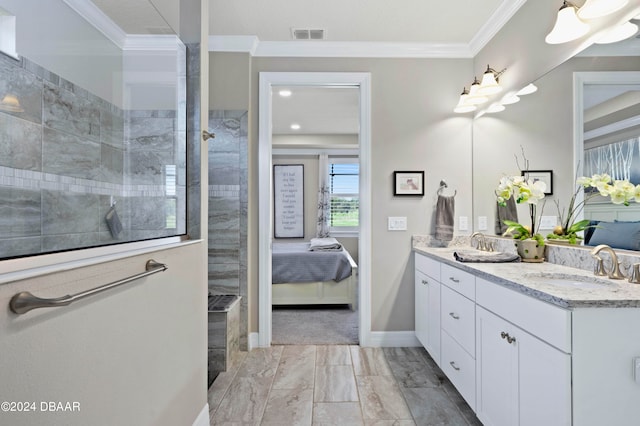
285	93
295	126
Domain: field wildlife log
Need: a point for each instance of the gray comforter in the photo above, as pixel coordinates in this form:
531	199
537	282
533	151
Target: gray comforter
294	263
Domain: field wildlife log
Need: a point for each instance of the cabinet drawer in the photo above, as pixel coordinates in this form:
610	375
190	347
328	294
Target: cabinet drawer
549	323
458	316
428	266
460	281
460	368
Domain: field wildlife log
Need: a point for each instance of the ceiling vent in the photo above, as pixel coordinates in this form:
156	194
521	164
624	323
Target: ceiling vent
307	34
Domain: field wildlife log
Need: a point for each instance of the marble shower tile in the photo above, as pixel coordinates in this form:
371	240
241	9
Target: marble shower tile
369	361
69	213
10	247
112	129
20	143
25	86
439	409
147	167
223	168
217	329
147	213
223	278
297	368
111	164
69	241
69	155
335	383
223	255
333	355
288	407
151	133
381	399
20	212
64	111
41	72
337	413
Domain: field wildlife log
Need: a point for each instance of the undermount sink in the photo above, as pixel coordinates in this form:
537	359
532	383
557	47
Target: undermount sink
568	280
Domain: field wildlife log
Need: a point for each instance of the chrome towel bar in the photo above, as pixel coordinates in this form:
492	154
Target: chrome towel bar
24	301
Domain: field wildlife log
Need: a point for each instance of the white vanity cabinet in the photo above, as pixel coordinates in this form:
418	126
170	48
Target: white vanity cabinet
427	304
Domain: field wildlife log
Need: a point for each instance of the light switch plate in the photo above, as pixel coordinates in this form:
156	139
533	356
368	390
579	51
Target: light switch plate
397	223
482	223
548	222
463	223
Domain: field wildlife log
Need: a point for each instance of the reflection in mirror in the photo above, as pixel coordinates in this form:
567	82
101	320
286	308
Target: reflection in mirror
93	129
541	124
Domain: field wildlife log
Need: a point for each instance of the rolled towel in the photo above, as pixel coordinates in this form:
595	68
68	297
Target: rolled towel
324	244
496	257
445	208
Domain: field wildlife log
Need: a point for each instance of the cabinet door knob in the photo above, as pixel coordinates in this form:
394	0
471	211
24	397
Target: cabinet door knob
453	364
453	315
505	335
425	282
455	280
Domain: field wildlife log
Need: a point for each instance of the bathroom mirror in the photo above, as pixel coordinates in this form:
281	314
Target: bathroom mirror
92	124
541	126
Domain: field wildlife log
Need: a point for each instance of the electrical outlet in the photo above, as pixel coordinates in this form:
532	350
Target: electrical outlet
482	223
463	223
397	224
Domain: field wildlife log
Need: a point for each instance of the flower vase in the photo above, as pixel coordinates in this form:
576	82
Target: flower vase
530	251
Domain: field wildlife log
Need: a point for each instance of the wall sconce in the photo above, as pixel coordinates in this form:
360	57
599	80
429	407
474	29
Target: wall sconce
476	98
568	26
497	107
10	103
592	9
463	106
510	98
490	85
527	90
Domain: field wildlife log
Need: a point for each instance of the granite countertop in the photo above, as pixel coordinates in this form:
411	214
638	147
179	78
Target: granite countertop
544	281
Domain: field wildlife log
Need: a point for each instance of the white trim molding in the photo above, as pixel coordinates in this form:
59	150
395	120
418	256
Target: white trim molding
392	339
265	209
339	49
203	417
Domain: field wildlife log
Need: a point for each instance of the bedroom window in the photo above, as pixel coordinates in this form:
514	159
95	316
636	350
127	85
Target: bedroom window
344	189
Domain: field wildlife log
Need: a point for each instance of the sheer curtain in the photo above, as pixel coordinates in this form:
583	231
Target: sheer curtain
324	197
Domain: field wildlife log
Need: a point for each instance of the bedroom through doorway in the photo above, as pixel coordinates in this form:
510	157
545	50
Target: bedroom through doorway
315	161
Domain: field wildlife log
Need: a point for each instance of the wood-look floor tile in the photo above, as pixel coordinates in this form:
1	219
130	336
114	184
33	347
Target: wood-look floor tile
244	402
333	355
414	374
335	383
297	368
221	384
381	399
389	423
288	407
261	362
337	413
432	407
405	354
369	362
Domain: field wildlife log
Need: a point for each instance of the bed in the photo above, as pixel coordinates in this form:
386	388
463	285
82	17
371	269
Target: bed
304	277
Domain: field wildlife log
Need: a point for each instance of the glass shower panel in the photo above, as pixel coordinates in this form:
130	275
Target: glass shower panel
92	128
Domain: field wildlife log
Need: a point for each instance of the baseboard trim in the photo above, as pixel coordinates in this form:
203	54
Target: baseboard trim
203	417
253	341
396	339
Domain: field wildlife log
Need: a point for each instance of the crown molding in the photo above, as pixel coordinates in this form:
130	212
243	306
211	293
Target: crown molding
333	49
500	17
97	18
151	42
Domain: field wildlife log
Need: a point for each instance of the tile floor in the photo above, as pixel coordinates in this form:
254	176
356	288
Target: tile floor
336	385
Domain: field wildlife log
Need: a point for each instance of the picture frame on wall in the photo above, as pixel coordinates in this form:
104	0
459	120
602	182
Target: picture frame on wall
408	183
288	200
545	176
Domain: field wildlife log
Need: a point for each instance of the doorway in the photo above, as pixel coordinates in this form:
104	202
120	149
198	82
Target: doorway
268	81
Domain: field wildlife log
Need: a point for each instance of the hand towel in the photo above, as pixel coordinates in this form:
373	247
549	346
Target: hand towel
497	257
113	222
445	208
508	212
325	244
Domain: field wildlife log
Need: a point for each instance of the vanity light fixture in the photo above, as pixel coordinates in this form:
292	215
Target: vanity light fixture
490	84
295	126
476	98
285	93
527	90
463	106
619	33
568	26
10	103
495	108
598	8
510	98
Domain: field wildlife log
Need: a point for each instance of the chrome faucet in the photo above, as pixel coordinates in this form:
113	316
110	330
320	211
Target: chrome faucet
615	272
483	245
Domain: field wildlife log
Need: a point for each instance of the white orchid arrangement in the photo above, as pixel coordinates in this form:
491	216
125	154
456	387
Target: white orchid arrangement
620	191
523	191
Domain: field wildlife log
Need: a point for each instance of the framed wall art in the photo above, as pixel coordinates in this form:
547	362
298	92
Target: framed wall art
288	201
544	175
408	183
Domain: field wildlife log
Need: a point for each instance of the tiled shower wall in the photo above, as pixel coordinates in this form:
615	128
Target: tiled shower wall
64	159
228	192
